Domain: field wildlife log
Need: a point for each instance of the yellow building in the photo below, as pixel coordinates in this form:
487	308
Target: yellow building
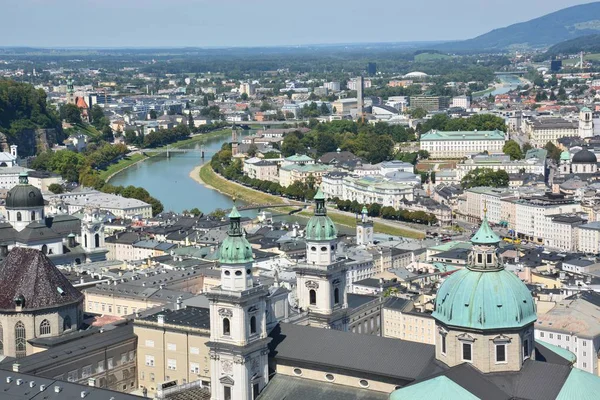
402	321
172	348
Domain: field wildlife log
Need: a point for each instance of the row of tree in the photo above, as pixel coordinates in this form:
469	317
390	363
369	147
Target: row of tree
387	212
480	122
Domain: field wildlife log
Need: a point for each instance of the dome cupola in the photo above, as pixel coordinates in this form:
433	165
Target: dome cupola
24	195
584	156
320	227
235	249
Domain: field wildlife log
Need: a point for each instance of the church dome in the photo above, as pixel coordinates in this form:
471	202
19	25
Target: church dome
235	249
484	296
584	157
320	226
24	195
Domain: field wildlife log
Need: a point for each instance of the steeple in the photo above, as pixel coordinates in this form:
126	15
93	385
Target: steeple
364	229
234	141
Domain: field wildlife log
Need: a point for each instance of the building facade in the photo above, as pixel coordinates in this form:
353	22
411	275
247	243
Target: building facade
459	144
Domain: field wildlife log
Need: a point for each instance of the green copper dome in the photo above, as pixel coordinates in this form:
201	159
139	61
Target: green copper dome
235	249
320	226
24	195
484	300
485	234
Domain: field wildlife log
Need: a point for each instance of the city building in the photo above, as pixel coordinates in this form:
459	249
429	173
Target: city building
461	102
430	103
588	238
172	348
119	206
544	130
457	144
247	88
288	174
533	163
258	168
573	325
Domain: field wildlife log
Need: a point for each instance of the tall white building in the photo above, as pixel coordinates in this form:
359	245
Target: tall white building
586	123
238	330
459	144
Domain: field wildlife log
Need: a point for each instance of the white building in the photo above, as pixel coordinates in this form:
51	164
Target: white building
573	324
457	144
461	102
119	206
544	130
264	170
533	163
588	238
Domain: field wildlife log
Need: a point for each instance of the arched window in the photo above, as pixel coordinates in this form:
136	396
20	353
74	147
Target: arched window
252	324
96	240
312	297
67	323
45	249
33	215
1	340
85	240
20	340
336	296
19	216
226	327
45	327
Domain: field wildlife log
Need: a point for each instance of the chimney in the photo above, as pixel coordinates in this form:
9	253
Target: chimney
161	319
179	303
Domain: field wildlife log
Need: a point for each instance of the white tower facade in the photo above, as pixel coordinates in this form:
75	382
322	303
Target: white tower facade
92	231
364	229
238	330
586	124
321	280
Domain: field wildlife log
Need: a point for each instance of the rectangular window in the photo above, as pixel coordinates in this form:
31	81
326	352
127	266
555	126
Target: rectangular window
72	376
466	352
152	377
110	363
551	336
171	364
479	258
171	346
584	343
194	350
443	344
489	258
100	366
194	368
227	393
149	343
255	391
149	361
559	337
567	338
541	334
131	355
526	349
86	371
500	353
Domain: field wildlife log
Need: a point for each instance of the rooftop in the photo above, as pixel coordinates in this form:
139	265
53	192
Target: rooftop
435	135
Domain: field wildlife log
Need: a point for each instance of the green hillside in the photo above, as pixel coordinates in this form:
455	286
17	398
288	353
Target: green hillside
559	26
588	44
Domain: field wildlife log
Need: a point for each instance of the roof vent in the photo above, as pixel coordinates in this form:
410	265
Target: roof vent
42	388
31	384
57	389
84	393
8	379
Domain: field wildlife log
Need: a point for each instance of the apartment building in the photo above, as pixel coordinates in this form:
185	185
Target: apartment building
533	163
402	321
544	130
430	103
573	324
588	238
172	348
288	174
264	170
461	144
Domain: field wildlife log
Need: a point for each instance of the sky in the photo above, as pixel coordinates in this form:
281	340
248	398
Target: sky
224	23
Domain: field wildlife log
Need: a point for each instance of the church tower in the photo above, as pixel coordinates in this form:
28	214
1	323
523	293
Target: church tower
484	314
321	279
70	92
364	229
238	331
586	124
234	141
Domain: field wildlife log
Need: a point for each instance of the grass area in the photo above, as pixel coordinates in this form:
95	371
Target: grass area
88	130
211	178
424	57
122	164
350	221
586	57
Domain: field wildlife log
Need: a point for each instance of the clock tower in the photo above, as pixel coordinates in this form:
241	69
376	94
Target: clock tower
238	329
364	229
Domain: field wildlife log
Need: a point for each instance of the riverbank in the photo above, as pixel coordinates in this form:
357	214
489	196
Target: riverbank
127	162
205	175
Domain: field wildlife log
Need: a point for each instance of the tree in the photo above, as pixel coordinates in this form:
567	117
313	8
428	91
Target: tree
56	188
526	147
97	115
418	113
553	151
252	150
71	114
244	97
512	149
485	177
196	212
153	114
324	109
191	121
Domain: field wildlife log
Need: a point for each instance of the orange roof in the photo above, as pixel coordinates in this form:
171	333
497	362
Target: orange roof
80	102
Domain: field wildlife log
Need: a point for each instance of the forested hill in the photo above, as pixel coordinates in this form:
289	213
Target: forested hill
588	44
565	24
22	107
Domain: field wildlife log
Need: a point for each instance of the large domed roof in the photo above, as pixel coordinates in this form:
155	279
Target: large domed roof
320	226
24	195
584	156
235	249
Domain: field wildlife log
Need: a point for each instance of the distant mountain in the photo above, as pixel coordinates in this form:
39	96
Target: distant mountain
565	24
589	44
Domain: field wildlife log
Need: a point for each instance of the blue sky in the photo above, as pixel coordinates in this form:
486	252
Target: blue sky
175	23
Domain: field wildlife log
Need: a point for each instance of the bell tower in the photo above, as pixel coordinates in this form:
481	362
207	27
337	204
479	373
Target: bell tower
70	92
321	279
586	124
364	229
238	330
234	141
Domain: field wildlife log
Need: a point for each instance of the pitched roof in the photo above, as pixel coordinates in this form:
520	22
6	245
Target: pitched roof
440	388
392	358
29	273
580	385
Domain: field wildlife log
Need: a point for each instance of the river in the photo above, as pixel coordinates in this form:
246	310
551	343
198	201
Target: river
508	83
168	179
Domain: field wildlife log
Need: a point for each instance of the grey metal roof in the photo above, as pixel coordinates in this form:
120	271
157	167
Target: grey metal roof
11	390
189	316
536	381
292	388
392	358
